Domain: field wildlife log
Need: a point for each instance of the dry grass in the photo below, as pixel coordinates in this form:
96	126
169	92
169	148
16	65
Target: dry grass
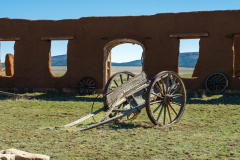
209	129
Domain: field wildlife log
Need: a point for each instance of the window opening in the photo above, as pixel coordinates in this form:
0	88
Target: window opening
7	58
188	58
59	57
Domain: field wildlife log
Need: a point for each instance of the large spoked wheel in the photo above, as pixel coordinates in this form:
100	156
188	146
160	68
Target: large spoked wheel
116	80
165	98
87	85
216	83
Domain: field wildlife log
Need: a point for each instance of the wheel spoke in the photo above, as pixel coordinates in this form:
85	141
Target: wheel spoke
211	87
175	89
167	84
121	79
163	85
173	109
169	114
157	108
90	82
219	88
172	85
154	102
164	119
210	83
177	104
115	82
178	96
160	112
212	78
222	78
81	83
222	82
156	95
221	85
158	87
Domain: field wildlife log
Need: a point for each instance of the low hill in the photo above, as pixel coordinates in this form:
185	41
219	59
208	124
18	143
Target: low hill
188	59
59	60
131	63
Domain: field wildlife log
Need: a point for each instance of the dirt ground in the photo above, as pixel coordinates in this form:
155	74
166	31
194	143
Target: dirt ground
136	70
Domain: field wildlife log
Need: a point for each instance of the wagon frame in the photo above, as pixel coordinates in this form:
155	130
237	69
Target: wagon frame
164	97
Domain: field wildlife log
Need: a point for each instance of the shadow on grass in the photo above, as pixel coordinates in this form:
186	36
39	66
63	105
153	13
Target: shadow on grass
191	98
124	125
215	99
120	125
53	96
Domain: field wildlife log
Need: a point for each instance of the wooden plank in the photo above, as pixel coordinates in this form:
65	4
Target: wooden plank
114	118
82	119
126	88
57	38
10	39
109	110
189	35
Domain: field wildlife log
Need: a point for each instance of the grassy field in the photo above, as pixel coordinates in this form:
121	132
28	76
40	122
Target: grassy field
209	129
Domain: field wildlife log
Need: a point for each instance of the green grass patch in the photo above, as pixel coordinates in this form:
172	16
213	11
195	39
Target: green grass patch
186	75
209	129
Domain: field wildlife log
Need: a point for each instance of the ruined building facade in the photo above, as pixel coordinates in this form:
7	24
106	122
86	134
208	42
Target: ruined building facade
91	39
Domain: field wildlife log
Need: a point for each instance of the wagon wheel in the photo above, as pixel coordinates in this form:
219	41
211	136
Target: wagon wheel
165	98
116	80
216	83
87	85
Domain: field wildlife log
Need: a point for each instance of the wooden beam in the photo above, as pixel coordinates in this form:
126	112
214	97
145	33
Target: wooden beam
10	39
47	38
189	35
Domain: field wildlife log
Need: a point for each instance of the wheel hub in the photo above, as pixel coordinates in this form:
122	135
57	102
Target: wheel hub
215	83
167	99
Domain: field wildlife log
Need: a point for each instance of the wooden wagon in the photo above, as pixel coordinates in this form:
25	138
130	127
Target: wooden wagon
125	94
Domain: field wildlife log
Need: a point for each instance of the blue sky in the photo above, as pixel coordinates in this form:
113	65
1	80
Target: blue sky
74	9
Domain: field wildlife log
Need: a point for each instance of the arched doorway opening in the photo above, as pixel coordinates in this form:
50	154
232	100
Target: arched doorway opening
107	56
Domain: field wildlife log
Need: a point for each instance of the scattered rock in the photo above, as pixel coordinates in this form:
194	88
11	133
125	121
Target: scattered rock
7	156
21	155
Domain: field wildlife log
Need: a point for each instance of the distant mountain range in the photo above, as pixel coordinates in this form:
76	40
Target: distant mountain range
131	63
188	59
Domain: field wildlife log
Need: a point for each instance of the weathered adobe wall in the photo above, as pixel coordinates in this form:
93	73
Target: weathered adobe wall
85	51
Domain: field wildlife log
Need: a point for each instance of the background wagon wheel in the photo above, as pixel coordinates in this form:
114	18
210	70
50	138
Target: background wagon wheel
116	80
216	83
87	85
165	98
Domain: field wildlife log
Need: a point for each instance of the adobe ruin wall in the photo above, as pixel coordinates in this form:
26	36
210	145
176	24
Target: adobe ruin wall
88	37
